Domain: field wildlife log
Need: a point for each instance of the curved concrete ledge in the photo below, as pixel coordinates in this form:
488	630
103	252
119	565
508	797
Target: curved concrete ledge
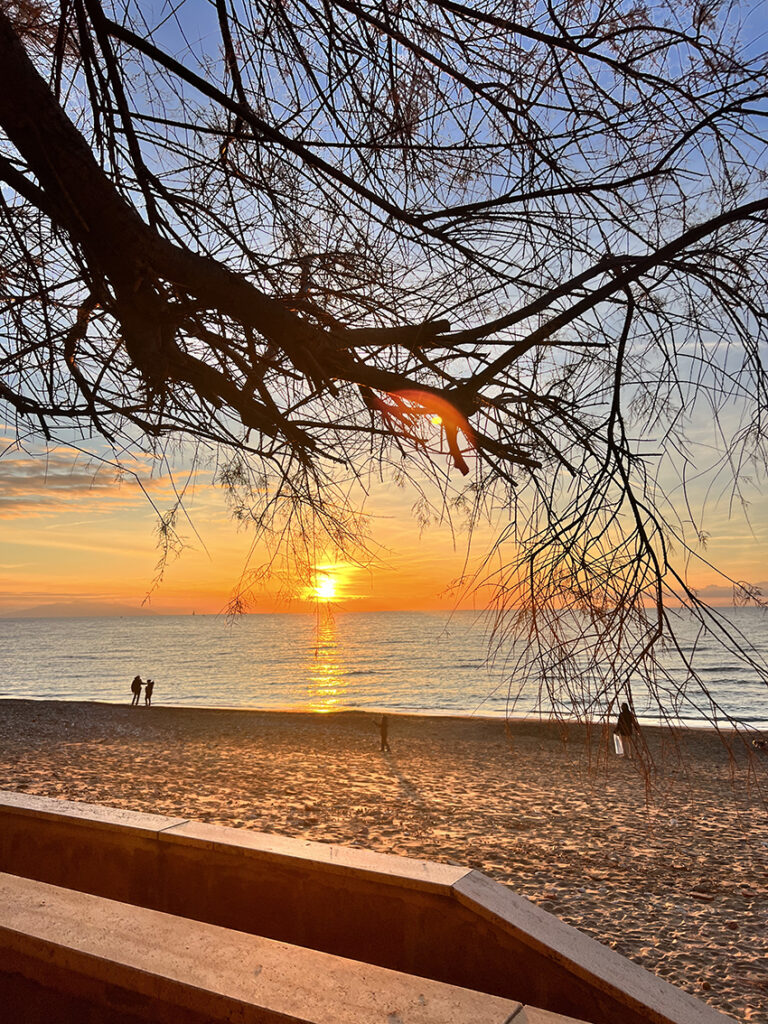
600	977
91	816
435	921
405	872
157	967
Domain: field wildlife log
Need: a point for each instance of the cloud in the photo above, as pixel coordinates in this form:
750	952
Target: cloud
43	486
106	548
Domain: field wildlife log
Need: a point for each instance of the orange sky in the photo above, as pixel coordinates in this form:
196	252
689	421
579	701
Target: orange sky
75	533
72	531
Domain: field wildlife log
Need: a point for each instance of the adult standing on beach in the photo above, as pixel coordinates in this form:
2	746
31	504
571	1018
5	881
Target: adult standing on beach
136	690
626	727
384	730
148	692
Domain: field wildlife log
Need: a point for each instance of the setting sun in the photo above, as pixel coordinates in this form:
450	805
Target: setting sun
325	587
330	582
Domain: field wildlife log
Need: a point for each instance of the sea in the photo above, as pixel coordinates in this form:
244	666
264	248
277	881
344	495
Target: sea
417	662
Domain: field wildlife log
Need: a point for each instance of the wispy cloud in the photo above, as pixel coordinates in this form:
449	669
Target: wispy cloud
106	548
42	486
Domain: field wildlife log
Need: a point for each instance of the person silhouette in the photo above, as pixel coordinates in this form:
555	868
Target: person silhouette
625	730
384	730
136	690
148	692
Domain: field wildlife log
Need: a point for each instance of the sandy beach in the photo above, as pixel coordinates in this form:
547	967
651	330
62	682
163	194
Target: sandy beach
670	869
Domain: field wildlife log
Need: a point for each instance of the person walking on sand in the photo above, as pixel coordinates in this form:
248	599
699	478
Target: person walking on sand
148	692
136	690
384	730
624	733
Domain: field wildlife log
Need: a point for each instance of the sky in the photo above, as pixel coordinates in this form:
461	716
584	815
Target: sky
73	534
76	537
72	531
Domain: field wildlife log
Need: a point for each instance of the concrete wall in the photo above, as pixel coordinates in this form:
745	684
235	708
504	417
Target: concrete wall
71	957
436	921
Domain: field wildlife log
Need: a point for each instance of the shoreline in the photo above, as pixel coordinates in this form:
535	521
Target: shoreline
759	725
669	867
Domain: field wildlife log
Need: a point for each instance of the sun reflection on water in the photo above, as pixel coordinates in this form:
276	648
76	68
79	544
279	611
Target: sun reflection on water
326	671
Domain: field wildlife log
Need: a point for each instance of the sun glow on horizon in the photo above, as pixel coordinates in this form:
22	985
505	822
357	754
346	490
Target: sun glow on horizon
332	583
325	587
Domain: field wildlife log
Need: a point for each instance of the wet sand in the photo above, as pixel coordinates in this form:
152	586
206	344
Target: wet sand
670	869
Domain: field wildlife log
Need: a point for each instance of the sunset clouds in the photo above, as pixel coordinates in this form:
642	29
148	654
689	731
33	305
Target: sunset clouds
77	529
42	486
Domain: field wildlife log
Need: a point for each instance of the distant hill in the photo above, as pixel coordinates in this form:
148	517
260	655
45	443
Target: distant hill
76	610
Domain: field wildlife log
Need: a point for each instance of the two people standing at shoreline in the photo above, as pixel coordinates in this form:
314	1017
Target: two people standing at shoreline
136	686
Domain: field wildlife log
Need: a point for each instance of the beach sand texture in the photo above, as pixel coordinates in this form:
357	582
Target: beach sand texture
678	884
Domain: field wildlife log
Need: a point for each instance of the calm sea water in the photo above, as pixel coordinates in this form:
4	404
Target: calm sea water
401	661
